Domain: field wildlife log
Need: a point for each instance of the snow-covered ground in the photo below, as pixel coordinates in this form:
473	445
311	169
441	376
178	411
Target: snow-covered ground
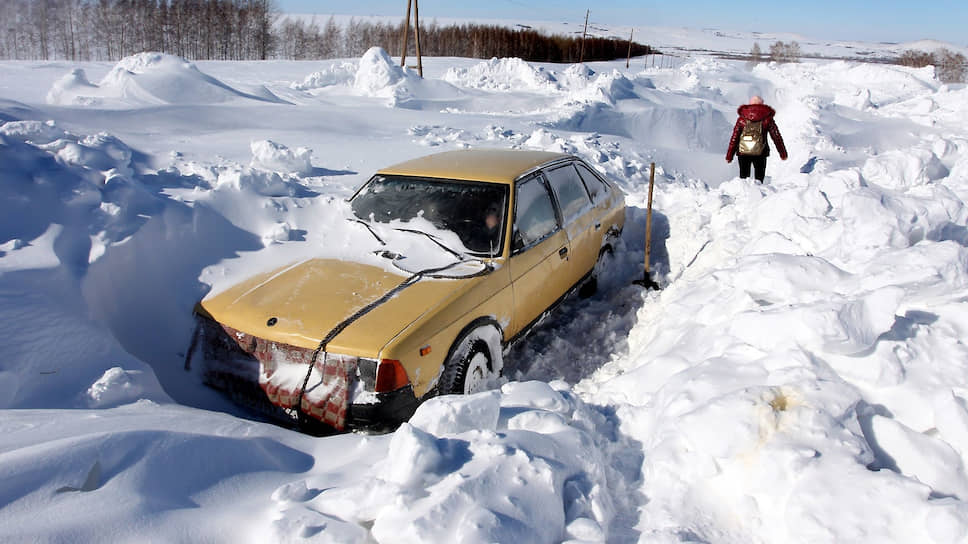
802	376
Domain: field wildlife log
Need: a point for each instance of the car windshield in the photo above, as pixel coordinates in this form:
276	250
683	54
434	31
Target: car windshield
474	211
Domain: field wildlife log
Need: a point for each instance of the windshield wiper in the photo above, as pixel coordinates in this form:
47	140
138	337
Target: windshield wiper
369	228
434	240
437	273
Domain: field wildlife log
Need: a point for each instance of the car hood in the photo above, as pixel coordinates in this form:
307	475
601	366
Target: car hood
306	300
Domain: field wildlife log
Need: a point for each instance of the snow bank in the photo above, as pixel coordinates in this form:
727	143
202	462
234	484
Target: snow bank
146	79
768	381
64	198
83	183
90	235
777	373
519	465
503	75
334	74
577	83
376	75
618	104
85	474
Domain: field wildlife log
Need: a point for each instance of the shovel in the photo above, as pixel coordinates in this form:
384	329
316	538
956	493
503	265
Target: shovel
647	280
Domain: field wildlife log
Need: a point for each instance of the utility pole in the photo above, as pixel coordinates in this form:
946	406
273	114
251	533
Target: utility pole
416	35
581	56
406	35
628	59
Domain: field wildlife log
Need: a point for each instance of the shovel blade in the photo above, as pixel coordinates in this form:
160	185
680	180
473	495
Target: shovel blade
647	282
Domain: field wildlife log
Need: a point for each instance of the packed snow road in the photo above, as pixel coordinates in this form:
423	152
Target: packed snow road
801	377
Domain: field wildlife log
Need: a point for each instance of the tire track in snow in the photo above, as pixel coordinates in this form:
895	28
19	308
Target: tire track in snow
575	341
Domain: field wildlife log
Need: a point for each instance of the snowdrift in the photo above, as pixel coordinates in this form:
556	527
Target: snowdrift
800	378
376	75
503	75
461	89
146	79
481	468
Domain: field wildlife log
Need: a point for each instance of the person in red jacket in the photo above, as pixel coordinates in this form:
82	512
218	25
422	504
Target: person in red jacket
749	140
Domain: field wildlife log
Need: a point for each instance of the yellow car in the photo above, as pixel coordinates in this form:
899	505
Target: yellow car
357	344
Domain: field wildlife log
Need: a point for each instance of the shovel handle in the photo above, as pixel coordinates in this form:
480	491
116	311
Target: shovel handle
648	219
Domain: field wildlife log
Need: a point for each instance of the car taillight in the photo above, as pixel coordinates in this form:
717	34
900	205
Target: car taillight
390	376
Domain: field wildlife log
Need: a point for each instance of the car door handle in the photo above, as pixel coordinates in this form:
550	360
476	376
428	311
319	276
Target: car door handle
563	252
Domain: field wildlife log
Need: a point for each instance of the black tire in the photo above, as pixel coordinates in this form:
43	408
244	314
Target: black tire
470	359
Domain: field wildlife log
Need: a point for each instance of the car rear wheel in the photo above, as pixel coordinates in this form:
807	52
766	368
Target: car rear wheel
472	363
604	262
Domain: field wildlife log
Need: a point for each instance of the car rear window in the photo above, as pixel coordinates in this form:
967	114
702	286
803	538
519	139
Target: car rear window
570	191
596	187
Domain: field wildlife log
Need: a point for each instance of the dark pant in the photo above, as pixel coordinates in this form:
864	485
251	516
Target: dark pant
758	162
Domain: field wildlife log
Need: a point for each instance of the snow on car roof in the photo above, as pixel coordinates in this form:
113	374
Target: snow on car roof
491	165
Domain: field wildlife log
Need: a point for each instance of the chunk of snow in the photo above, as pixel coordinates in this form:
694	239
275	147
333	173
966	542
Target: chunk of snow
116	386
276	157
927	459
457	414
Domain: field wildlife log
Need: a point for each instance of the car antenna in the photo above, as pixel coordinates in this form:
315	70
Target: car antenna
647	280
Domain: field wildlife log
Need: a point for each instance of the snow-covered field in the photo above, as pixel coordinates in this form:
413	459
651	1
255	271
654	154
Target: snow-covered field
802	376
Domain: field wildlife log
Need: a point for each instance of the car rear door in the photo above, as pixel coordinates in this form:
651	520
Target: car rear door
580	222
597	189
539	252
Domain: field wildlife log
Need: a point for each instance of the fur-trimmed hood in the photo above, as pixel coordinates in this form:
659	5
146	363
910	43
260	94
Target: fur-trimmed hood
756	112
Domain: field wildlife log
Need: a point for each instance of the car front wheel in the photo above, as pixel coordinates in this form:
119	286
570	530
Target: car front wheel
473	363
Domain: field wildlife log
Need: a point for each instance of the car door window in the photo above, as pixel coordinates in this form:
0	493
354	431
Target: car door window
568	187
534	213
596	187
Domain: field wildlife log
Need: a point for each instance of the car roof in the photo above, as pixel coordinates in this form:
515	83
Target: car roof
491	165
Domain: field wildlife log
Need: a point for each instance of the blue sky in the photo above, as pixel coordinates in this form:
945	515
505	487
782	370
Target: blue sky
886	20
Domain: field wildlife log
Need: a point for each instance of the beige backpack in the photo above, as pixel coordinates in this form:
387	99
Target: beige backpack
752	141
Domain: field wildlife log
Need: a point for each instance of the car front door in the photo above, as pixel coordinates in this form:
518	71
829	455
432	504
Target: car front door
539	252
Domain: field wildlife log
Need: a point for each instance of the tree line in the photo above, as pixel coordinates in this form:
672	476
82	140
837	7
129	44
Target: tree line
949	67
81	30
85	30
299	39
779	52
